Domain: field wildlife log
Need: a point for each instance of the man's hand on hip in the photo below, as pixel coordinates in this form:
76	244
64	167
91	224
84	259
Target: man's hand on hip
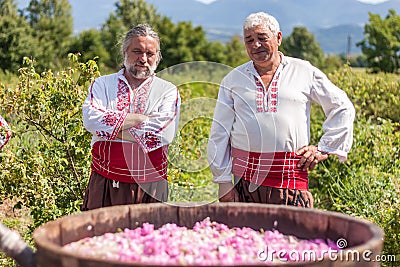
311	156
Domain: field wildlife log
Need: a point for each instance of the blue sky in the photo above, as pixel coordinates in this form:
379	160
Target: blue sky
363	1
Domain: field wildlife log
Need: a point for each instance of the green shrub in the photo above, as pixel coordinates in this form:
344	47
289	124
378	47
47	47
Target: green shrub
375	96
190	177
367	184
47	160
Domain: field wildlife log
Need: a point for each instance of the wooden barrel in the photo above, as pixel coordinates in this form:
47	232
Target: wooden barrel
364	239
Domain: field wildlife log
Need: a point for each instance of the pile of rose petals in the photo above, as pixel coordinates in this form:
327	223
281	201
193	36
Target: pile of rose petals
208	243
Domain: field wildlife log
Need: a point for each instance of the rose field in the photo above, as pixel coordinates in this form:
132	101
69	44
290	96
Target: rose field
45	166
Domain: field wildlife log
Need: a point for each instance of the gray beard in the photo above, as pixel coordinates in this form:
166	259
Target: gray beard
139	74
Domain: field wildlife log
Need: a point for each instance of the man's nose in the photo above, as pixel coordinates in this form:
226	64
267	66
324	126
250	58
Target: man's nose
143	57
256	44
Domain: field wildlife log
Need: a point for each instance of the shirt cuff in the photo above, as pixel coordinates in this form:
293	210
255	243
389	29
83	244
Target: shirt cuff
222	179
341	154
147	140
118	126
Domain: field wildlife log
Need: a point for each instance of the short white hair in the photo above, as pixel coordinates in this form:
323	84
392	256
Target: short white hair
261	18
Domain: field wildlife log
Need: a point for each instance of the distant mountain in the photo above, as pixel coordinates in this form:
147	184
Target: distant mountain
340	39
333	22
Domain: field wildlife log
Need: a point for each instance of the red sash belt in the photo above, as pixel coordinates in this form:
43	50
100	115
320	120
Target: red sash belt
275	169
126	162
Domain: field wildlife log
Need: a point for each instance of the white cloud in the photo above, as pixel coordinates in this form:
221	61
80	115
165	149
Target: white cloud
206	1
373	2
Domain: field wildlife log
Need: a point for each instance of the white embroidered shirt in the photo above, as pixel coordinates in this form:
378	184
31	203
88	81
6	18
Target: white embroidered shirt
111	98
251	118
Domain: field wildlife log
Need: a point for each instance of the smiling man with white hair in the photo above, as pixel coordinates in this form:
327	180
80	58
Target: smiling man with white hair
261	127
132	116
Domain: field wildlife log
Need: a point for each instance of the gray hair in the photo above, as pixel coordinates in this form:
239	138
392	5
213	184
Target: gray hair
141	30
261	18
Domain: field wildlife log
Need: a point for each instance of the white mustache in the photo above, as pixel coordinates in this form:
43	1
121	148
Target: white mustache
146	65
143	65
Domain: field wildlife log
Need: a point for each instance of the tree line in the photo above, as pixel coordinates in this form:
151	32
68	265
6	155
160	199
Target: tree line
44	31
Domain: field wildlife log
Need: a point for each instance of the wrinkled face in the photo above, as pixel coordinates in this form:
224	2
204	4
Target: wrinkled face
141	57
261	44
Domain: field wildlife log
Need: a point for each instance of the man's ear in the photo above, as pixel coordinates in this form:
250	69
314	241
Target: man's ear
279	38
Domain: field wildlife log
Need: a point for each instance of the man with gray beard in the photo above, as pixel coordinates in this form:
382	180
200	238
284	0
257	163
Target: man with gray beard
133	117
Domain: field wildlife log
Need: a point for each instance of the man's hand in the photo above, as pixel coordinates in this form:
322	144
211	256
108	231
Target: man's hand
227	193
130	121
133	119
311	157
125	135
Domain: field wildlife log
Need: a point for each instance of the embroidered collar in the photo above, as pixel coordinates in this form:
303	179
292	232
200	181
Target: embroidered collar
136	102
267	98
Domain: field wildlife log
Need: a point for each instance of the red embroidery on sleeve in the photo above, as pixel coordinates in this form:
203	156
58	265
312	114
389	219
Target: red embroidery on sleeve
110	118
151	140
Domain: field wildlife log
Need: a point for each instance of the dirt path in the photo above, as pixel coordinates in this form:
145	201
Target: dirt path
16	219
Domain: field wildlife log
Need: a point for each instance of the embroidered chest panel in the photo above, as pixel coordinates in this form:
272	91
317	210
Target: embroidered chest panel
123	96
267	100
139	98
